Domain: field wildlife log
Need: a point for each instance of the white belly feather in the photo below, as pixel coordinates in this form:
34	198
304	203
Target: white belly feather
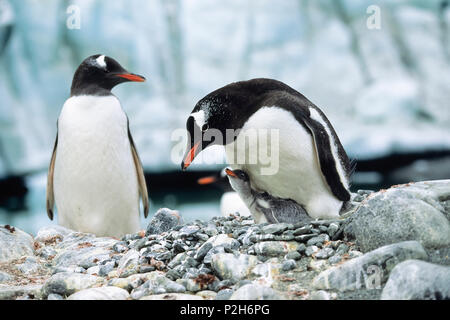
298	176
95	180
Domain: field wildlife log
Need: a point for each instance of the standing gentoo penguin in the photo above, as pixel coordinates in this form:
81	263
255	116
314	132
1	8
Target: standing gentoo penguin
313	168
263	206
95	175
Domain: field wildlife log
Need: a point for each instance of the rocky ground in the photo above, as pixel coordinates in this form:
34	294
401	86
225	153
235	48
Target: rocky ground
392	244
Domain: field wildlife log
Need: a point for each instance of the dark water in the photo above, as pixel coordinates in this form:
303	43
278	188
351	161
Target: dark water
192	201
203	204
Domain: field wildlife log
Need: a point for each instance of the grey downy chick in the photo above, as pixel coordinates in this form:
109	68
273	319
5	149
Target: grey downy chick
263	206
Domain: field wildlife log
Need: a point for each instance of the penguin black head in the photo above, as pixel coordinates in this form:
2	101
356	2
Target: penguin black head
226	108
237	174
98	74
239	180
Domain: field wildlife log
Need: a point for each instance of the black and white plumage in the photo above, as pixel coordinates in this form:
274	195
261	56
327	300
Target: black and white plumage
313	168
95	176
263	206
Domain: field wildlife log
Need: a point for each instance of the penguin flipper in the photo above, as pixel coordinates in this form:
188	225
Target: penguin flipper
327	161
50	198
140	174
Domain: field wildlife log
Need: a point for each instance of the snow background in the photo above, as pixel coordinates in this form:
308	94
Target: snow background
384	90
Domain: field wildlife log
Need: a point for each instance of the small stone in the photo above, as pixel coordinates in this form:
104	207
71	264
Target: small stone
229	266
171	296
285	237
201	236
318	265
301	248
207	294
190	284
129	263
139	244
332	229
55	296
93	270
53	234
289	265
295	255
302	230
189	230
255	292
164	220
278	228
179	258
311	250
224	240
224	294
320	295
102	293
210	230
203	250
146	268
47	253
14	243
304	237
215	250
106	268
335	259
29	266
343	248
275	248
324	253
66	284
318	239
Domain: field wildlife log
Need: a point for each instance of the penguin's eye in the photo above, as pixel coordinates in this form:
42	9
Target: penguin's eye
205	127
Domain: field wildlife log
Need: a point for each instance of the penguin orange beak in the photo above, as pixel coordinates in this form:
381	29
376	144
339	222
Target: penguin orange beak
206	180
131	77
190	156
230	172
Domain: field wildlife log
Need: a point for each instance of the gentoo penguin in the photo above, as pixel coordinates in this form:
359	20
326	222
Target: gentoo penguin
230	201
312	166
262	205
95	175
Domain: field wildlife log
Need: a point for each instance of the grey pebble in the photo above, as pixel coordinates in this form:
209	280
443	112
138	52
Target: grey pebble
324	253
294	255
224	294
318	239
289	265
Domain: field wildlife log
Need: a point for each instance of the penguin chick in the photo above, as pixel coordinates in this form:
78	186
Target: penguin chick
263	206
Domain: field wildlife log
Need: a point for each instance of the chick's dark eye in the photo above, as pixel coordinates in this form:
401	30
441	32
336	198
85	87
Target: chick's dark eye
205	127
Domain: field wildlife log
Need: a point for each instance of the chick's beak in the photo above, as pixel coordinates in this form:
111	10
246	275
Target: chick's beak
230	172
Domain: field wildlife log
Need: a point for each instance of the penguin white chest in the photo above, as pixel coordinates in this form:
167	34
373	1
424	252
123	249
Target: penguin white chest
95	179
290	153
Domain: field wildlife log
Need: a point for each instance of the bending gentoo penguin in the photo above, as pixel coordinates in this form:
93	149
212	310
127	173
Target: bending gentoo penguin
262	205
313	168
95	175
230	202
